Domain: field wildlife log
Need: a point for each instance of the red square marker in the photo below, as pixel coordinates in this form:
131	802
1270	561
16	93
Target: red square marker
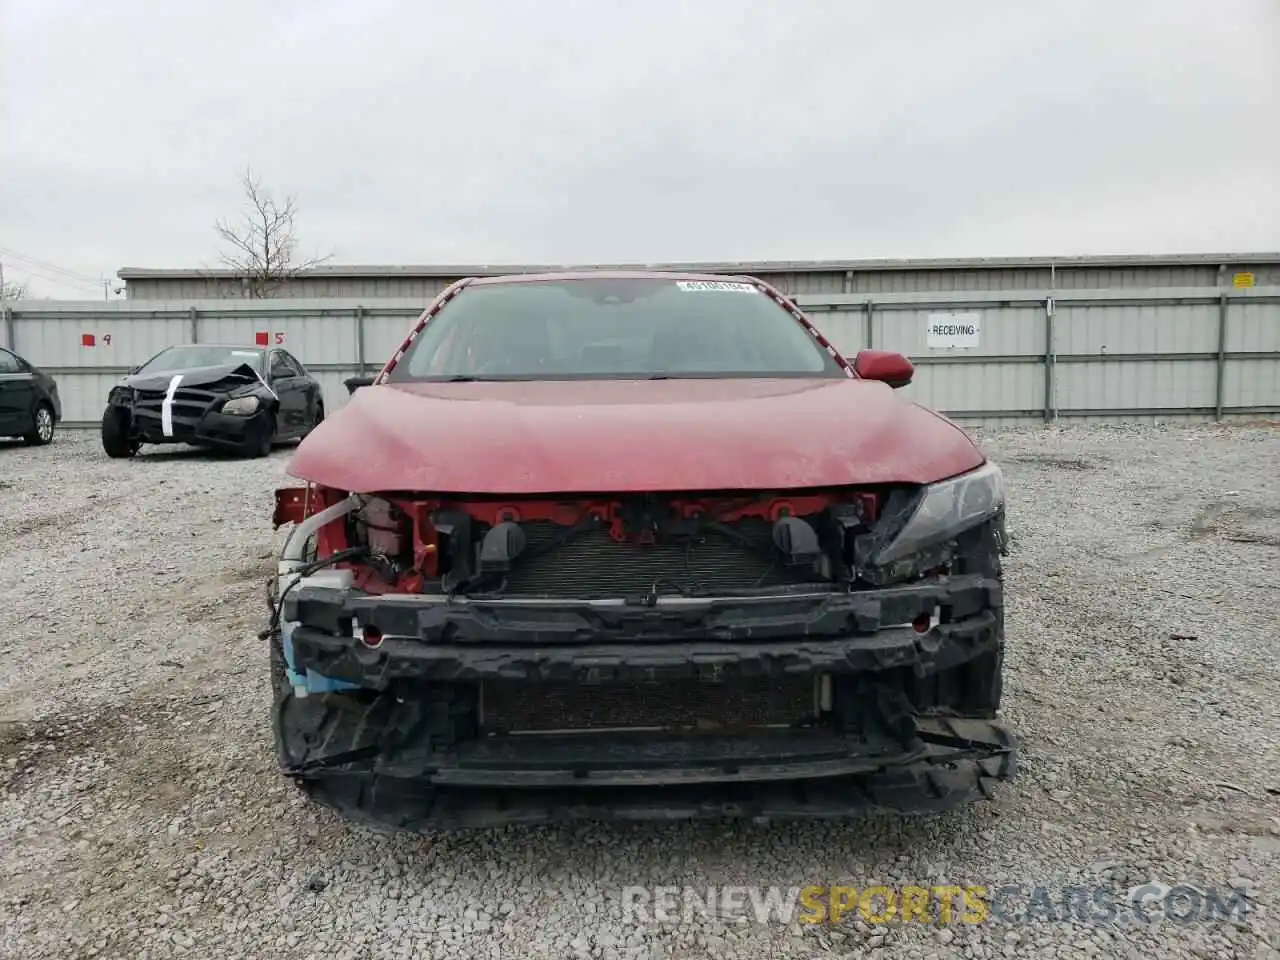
261	338
86	340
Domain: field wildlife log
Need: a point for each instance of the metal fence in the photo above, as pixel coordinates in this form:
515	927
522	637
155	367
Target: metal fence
1105	355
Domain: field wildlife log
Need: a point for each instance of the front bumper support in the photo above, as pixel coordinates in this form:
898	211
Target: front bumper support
907	724
431	638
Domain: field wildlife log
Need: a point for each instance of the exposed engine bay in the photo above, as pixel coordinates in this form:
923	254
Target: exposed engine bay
632	548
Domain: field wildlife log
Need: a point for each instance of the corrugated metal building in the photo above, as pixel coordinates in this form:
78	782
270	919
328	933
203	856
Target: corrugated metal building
366	283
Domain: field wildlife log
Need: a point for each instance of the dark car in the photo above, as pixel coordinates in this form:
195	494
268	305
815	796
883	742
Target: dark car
242	399
29	404
637	545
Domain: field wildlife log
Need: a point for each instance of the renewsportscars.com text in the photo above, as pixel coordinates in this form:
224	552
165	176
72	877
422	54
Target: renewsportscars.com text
936	904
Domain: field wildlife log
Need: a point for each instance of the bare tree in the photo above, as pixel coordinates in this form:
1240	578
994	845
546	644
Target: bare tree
262	245
12	291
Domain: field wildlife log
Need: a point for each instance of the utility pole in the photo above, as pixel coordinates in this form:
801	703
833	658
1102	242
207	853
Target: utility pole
4	312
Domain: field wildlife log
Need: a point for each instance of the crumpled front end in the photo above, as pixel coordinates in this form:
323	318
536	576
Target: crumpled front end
469	663
195	409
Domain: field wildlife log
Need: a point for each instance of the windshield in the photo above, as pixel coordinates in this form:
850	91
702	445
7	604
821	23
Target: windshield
605	328
202	355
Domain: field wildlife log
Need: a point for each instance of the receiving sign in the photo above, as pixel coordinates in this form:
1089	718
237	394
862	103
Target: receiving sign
953	330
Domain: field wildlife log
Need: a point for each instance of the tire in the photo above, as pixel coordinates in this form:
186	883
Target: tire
259	445
115	435
277	663
42	429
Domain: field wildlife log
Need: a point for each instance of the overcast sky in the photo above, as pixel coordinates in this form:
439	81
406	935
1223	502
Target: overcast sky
505	131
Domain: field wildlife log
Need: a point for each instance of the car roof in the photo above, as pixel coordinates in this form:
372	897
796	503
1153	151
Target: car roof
607	275
224	346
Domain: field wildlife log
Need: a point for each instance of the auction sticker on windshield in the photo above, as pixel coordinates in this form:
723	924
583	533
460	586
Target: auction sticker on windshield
962	330
697	285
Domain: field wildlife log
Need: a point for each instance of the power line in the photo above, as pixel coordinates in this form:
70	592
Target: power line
59	279
49	275
51	267
51	272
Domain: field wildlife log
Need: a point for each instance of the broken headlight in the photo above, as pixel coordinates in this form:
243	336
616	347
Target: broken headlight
241	406
947	509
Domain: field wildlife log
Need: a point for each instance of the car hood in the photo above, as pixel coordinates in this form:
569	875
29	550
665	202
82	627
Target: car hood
235	375
630	437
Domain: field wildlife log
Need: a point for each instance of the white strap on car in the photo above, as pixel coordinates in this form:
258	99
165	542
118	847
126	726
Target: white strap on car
263	380
166	408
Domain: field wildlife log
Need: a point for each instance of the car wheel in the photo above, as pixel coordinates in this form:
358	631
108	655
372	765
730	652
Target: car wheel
42	429
115	435
260	441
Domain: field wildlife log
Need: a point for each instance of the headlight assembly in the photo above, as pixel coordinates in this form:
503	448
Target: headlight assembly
240	406
947	509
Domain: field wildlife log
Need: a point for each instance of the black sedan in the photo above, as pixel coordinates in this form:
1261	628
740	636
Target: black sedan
29	404
242	399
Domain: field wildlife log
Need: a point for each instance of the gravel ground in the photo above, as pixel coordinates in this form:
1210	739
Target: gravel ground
141	813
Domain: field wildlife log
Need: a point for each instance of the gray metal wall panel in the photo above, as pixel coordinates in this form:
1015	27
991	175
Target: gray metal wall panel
1098	328
84	394
1135	384
1253	327
846	329
1251	383
1132	278
321	338
995	387
120	340
1141	418
796	284
354	288
383	334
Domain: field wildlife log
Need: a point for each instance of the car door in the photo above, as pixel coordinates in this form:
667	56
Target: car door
287	382
17	395
310	389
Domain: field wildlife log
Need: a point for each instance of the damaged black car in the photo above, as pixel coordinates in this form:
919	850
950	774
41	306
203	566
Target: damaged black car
235	398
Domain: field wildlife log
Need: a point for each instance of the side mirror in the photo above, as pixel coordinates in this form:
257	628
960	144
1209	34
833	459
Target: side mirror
884	365
355	383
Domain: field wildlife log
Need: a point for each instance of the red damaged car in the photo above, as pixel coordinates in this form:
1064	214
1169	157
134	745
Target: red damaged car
637	545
